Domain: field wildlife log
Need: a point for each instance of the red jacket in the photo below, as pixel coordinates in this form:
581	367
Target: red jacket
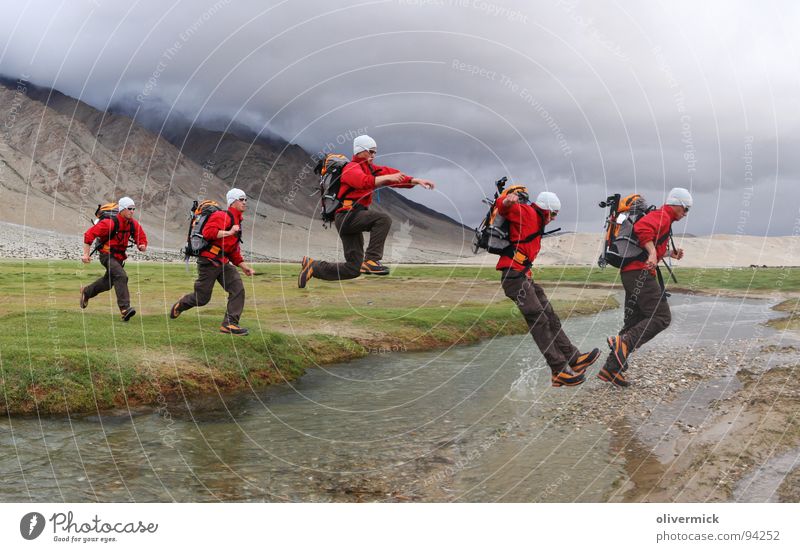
118	243
524	220
653	227
358	182
222	249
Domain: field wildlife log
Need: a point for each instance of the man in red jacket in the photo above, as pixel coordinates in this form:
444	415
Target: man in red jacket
360	178
114	234
567	364
646	310
217	263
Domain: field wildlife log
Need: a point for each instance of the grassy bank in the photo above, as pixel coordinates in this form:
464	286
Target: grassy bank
689	279
792	320
56	358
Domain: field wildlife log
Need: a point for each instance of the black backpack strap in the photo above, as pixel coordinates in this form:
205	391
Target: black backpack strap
131	228
233	220
519	257
665	237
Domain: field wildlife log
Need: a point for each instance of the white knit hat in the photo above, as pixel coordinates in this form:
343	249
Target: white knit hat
679	196
125	202
548	201
234	194
363	143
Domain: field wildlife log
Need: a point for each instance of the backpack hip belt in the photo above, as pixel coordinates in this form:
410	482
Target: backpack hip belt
521	258
352	205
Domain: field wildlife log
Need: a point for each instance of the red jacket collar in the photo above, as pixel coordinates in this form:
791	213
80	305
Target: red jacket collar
237	214
671	212
361	161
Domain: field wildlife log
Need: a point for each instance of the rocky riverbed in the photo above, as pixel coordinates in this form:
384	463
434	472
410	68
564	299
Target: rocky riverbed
701	424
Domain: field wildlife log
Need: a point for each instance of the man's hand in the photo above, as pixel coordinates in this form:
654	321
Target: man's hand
676	254
652	261
427	184
85	259
511	199
246	269
234	230
142	248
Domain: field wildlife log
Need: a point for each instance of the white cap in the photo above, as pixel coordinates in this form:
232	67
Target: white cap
679	196
234	194
125	202
363	143
548	201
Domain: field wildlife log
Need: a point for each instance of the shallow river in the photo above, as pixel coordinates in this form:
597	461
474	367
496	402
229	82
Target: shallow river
466	424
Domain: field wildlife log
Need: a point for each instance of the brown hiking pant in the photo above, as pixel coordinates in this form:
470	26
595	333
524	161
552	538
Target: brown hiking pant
543	322
115	277
228	277
646	309
351	225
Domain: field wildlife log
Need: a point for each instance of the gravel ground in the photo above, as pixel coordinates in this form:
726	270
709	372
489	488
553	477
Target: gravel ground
697	423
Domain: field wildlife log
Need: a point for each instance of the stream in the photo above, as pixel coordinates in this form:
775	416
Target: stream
467	423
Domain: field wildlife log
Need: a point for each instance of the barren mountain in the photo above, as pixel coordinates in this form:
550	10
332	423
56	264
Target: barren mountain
60	158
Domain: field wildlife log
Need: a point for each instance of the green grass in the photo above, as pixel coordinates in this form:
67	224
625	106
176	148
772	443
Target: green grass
698	279
55	357
790	322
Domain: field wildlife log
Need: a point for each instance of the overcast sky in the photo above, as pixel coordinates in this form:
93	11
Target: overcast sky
580	98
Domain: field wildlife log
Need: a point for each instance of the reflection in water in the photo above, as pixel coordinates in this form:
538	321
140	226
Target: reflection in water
475	423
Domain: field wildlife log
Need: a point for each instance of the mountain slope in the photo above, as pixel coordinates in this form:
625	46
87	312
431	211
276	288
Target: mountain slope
60	158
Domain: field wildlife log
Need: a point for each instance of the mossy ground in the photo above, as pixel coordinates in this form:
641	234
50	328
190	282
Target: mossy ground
792	320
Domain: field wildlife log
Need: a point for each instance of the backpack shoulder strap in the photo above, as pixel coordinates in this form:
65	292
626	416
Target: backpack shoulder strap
232	222
114	230
536	234
666	236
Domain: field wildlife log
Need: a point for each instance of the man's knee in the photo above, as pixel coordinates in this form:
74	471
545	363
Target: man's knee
236	288
202	296
383	220
665	315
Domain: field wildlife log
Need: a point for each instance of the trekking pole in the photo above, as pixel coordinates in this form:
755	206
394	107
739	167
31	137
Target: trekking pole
669	268
671	274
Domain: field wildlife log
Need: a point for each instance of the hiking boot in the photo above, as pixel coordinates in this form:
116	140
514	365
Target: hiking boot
84	299
306	272
127	314
374	267
620	351
175	312
582	362
567	377
612	373
233	329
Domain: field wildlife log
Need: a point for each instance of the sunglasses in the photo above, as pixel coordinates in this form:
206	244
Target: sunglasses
131	208
372	152
686	209
242	199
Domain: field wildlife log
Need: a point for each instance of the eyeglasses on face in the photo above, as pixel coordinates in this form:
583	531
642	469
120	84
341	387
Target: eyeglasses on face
131	208
372	152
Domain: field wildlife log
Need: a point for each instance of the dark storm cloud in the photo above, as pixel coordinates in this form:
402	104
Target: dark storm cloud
581	98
